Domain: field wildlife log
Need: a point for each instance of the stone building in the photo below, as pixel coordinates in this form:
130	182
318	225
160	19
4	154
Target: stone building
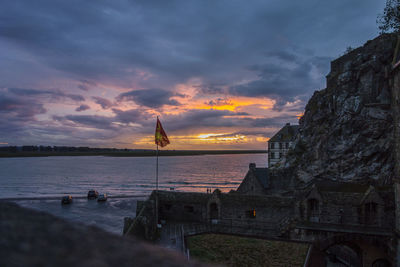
279	144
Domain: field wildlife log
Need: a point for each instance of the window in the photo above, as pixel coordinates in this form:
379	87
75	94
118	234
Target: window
313	210
213	212
371	210
280	145
280	154
272	145
251	214
287	145
313	205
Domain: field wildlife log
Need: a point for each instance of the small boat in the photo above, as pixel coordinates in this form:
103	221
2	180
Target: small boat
92	194
66	200
102	198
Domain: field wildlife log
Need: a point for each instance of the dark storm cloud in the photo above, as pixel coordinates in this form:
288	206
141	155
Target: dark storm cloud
273	49
210	89
21	109
177	40
91	121
285	78
104	103
53	94
204	118
86	85
153	98
17	115
82	108
132	115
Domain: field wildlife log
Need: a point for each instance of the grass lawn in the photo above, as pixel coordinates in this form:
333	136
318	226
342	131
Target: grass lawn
240	251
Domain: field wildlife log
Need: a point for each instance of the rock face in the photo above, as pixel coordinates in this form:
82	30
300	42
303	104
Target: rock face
347	130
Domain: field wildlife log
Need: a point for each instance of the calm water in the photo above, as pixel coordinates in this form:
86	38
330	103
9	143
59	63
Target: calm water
56	176
52	177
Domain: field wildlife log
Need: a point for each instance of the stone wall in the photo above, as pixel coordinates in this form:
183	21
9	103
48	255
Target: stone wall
239	212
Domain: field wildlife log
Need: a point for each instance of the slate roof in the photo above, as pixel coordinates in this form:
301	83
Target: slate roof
190	197
339	193
262	176
256	200
286	134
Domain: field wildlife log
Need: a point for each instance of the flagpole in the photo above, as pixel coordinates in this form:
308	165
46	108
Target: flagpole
157	185
161	139
157	189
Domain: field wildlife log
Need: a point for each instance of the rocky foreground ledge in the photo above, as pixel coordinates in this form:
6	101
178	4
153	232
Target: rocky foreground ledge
32	238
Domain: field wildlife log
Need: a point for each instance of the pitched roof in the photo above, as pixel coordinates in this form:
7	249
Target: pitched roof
262	176
339	193
256	200
286	134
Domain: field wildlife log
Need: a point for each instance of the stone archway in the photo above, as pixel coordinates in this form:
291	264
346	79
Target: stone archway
366	249
213	211
381	263
348	254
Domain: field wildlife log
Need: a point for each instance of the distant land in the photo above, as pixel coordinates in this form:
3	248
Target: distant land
47	151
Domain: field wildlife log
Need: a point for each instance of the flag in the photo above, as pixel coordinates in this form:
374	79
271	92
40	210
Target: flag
161	138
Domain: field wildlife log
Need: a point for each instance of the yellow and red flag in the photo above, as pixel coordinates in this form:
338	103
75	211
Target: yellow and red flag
161	137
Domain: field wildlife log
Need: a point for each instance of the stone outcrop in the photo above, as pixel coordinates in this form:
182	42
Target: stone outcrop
347	130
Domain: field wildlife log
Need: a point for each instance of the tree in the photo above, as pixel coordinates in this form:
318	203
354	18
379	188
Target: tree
390	19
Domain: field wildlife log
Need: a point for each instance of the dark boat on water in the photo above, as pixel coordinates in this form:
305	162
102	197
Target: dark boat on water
66	200
102	198
92	194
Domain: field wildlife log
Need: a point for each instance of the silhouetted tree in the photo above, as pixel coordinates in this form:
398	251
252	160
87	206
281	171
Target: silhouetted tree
390	19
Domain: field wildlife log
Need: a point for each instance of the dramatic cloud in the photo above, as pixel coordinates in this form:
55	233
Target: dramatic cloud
53	94
130	116
104	103
91	121
285	77
153	98
86	85
256	63
82	108
14	108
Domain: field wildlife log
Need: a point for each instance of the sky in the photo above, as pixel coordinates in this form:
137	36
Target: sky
219	74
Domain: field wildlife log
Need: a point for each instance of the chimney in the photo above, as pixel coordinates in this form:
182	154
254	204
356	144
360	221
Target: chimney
252	166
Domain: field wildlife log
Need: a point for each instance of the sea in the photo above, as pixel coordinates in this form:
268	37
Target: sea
40	182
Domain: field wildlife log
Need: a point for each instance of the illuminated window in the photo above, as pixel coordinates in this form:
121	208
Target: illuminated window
251	213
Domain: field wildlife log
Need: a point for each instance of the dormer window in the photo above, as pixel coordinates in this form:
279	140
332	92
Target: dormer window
370	213
313	210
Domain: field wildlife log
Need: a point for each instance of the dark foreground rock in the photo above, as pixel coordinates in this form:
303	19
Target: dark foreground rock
32	238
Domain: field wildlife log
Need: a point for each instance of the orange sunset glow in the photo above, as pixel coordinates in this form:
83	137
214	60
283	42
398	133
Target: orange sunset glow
229	85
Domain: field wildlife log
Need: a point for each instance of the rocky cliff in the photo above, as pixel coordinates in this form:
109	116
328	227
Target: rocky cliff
347	130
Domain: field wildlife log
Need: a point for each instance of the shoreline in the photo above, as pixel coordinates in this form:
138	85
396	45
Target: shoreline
59	197
150	153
